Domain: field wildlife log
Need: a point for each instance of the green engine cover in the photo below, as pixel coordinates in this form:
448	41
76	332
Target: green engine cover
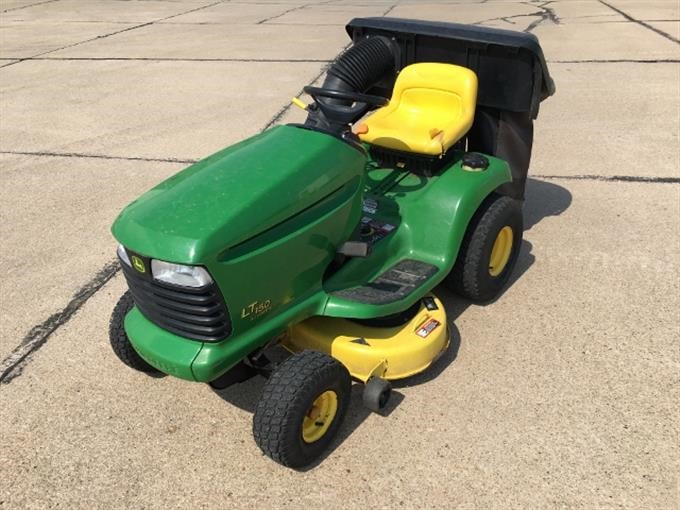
265	218
237	193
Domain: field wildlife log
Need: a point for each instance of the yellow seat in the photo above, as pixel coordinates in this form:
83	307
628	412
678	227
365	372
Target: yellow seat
432	107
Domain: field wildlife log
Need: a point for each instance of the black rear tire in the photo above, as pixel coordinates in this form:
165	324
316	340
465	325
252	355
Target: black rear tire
120	343
288	398
471	276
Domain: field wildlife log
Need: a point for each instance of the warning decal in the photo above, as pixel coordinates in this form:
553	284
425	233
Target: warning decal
428	328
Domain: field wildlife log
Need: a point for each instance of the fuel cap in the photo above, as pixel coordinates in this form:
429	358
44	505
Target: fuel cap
473	162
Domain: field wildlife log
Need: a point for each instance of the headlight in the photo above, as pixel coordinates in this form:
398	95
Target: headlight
123	254
178	274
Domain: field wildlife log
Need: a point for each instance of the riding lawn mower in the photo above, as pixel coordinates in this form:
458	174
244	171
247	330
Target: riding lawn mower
328	237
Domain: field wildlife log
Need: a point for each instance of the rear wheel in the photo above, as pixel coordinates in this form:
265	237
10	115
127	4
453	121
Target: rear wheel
120	343
301	408
489	250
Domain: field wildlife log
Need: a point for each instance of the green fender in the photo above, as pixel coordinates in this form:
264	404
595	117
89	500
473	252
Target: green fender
431	216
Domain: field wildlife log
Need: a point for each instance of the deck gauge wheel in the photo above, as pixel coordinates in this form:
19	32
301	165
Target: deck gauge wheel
377	393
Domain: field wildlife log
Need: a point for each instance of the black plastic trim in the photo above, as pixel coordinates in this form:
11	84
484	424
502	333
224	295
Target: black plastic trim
194	313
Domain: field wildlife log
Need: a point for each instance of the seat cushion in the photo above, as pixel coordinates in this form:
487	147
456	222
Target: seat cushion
432	107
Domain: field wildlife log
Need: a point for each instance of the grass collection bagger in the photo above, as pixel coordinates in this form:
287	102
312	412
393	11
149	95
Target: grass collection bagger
328	237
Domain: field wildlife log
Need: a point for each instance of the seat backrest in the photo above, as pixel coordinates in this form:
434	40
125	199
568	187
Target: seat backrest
432	86
432	107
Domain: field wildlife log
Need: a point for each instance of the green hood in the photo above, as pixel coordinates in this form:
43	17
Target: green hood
237	193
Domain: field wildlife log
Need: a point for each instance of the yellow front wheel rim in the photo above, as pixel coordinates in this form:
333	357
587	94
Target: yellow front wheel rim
319	416
500	253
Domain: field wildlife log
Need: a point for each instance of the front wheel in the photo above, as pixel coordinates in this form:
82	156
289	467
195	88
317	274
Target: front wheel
489	250
120	343
301	408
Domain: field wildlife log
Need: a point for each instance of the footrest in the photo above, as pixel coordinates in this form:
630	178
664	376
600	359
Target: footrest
393	285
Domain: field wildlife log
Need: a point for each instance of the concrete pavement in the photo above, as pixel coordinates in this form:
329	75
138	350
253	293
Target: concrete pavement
559	394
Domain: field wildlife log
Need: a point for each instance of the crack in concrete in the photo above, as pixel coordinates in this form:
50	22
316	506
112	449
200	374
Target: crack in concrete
614	178
278	115
27	6
298	8
544	14
389	10
13	365
172	59
104	36
617	61
641	23
507	19
97	156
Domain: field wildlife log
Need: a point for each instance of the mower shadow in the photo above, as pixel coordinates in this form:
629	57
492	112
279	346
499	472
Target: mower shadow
243	395
156	375
544	199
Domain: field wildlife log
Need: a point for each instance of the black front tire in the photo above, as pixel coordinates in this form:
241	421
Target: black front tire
120	343
287	399
471	277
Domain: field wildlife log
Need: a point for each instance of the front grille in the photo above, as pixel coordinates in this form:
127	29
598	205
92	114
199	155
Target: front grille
199	314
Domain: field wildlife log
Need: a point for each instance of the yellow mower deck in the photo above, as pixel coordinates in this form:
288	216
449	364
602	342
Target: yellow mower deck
389	353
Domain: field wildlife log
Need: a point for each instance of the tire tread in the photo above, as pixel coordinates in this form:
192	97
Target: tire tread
467	278
120	343
276	420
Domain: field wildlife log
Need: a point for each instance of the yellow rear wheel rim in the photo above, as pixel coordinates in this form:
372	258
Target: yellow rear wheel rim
319	416
500	253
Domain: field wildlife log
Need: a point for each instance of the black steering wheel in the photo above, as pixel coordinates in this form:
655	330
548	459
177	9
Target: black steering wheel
343	113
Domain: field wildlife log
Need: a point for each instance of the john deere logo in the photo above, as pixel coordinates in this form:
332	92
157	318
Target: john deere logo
138	264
